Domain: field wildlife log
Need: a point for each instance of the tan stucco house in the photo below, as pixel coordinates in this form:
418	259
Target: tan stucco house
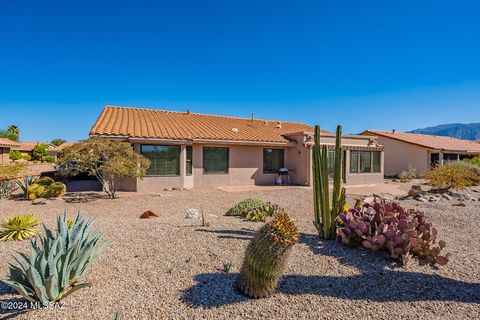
197	150
5	146
420	150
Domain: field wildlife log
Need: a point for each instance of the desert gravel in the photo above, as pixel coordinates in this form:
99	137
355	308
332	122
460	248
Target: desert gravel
171	267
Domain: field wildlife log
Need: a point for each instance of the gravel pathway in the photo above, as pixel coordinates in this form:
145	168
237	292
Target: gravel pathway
170	267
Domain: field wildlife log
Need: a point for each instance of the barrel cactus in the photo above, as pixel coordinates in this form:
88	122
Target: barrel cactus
57	263
266	256
46	187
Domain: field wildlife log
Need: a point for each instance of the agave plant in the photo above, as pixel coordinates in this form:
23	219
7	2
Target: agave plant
25	184
57	263
19	228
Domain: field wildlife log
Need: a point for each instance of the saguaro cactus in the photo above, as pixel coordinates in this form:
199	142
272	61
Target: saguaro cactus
325	214
266	256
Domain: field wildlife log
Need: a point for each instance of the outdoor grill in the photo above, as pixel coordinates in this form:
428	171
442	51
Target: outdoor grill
284	176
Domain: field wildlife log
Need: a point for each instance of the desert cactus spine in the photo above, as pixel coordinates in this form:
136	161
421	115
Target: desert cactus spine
266	256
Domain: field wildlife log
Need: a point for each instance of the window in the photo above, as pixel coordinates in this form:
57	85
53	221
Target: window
273	159
164	160
189	160
215	160
450	157
331	163
354	156
365	162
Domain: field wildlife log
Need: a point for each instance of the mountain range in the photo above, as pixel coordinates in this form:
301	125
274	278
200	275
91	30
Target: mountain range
469	131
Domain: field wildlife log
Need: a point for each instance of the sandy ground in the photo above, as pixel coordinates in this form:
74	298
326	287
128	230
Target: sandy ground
170	267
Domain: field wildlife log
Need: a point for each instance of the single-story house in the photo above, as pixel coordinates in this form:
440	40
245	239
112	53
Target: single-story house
5	146
27	147
189	149
420	150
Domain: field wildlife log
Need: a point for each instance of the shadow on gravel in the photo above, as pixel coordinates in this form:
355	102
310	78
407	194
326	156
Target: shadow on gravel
214	290
243	234
83	197
10	307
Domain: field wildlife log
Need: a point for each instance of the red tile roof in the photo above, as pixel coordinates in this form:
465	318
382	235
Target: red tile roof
4	142
147	123
26	146
429	141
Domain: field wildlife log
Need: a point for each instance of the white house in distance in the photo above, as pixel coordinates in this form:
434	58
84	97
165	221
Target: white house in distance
420	150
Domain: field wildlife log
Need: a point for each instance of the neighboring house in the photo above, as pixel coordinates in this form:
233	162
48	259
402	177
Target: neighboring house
189	149
420	150
27	147
56	149
5	146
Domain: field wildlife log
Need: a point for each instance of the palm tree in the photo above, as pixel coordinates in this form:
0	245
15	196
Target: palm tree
13	132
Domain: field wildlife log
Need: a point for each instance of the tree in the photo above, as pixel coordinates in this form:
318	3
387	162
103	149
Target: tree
12	133
108	160
15	155
40	151
57	142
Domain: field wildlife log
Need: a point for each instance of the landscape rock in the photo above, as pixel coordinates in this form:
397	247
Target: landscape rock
192	214
148	214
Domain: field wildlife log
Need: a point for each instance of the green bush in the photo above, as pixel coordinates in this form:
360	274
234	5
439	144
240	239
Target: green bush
40	151
456	175
49	159
240	208
474	161
15	155
26	156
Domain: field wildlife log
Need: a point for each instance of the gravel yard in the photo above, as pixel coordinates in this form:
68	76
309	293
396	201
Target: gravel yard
171	267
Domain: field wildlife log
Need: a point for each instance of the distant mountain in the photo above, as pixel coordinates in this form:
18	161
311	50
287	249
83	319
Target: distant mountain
457	130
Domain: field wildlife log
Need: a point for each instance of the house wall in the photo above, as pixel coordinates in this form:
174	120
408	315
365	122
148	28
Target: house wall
245	167
4	157
398	156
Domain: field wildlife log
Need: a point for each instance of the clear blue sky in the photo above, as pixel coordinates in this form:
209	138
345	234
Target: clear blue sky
364	64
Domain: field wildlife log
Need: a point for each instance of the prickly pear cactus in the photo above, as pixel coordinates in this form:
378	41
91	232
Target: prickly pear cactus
266	256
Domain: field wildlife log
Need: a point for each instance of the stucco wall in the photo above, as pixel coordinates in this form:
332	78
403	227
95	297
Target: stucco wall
245	167
4	157
398	155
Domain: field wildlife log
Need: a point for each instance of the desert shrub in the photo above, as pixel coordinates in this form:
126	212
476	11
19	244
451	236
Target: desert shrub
57	263
107	160
389	227
457	175
474	161
409	174
12	171
49	159
14	155
26	156
8	174
239	208
40	150
6	188
19	228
